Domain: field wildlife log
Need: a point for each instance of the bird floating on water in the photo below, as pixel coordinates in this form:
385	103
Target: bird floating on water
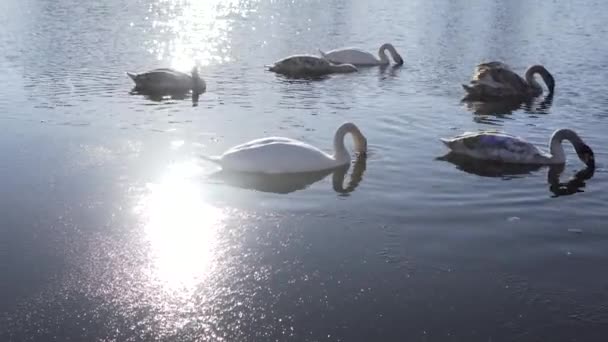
275	155
506	148
168	81
496	81
308	66
359	57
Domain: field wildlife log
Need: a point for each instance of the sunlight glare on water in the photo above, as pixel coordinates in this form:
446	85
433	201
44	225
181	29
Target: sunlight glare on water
180	227
198	31
115	229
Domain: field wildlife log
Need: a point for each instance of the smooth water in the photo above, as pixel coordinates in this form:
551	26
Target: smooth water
113	228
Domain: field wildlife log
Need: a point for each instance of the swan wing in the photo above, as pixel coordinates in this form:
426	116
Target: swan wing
276	155
163	79
497	79
496	146
301	61
351	56
302	65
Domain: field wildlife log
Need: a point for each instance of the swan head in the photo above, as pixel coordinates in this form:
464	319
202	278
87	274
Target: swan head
585	154
344	68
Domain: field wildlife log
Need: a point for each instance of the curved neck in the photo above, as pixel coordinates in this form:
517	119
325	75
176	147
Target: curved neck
531	80
382	53
542	71
340	152
557	149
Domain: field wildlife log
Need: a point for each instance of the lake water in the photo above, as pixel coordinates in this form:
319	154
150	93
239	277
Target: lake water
113	228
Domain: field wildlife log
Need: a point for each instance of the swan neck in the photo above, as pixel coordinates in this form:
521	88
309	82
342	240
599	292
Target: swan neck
341	154
382	53
394	54
556	147
546	75
531	80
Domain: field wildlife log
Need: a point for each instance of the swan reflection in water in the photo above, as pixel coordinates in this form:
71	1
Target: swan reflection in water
287	183
510	171
160	97
502	108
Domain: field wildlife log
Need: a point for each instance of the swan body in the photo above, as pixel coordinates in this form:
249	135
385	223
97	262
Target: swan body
496	80
165	80
359	57
506	148
308	65
276	155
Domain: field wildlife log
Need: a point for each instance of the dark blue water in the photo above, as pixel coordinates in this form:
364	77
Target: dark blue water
113	229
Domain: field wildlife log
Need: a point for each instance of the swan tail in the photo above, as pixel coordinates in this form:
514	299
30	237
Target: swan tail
213	159
323	54
133	76
448	142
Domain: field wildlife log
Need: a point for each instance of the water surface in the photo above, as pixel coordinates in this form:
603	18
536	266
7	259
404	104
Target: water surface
113	228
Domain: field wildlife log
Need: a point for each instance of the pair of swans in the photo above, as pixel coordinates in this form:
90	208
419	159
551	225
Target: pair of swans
278	155
343	60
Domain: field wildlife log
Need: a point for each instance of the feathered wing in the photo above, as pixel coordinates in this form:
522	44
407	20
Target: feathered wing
276	155
353	56
301	64
497	146
495	79
162	79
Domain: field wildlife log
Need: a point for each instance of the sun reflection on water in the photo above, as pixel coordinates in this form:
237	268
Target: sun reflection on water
180	228
186	32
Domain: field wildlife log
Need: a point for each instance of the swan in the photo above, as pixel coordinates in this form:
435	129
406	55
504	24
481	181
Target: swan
165	80
359	57
502	147
275	155
496	80
308	65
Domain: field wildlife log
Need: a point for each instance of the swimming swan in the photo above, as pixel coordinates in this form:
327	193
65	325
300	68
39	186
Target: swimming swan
276	155
359	57
496	80
502	147
308	65
168	81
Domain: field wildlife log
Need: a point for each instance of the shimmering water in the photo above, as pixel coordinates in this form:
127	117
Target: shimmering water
113	228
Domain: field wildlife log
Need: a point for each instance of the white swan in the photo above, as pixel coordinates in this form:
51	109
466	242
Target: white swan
359	57
308	66
276	155
165	80
502	147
